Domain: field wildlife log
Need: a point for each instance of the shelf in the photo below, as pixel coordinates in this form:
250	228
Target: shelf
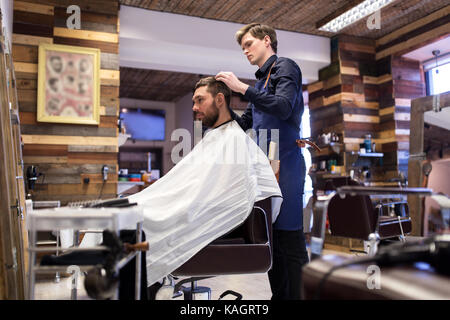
369	154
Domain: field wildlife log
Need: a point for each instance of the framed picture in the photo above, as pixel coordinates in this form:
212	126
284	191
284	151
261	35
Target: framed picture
68	84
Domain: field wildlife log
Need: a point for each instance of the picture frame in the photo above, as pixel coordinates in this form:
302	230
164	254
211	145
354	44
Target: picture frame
68	84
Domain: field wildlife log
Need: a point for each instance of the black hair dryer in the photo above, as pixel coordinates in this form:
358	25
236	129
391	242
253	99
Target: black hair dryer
32	176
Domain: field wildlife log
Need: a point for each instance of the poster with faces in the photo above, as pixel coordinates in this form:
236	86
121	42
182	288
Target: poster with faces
69	87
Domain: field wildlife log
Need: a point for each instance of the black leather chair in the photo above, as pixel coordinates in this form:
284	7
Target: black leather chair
246	249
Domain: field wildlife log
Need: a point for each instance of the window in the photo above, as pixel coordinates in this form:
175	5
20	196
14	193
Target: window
438	79
305	131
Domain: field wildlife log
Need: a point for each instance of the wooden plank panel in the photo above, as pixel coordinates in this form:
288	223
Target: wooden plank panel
108	122
27	84
44	150
50	168
109	61
332	82
415	25
81	148
27	118
313	87
24	53
61	22
350	71
33	18
33	7
347	46
330	71
360	118
412	42
50	139
416	32
98	178
67	130
358	110
59	179
25	67
78	189
386	111
33	30
92	157
110	77
103	46
30	40
43	160
86	35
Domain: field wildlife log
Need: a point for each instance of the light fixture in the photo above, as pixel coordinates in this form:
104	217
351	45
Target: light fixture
436	54
351	15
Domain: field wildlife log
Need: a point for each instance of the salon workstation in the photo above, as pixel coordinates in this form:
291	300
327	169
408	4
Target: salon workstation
225	150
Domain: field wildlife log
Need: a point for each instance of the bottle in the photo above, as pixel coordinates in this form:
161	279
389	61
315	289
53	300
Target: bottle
368	143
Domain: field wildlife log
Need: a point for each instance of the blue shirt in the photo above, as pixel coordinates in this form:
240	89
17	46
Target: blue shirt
280	106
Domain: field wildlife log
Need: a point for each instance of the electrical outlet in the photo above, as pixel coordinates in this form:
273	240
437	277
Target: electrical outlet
105	170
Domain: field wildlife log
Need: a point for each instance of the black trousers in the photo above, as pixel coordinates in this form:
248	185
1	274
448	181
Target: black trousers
289	255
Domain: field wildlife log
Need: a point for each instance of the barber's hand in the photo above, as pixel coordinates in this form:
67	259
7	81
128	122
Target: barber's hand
232	81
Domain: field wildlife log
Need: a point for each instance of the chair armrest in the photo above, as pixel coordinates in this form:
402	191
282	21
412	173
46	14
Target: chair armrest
255	228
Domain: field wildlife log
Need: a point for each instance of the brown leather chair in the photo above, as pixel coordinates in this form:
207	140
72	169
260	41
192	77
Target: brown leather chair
356	217
246	249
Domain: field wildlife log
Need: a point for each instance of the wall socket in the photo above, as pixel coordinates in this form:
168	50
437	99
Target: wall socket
105	170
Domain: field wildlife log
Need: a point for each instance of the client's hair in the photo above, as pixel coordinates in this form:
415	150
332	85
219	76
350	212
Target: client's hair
214	87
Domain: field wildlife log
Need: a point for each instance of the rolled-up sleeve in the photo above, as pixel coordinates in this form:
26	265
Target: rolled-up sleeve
286	79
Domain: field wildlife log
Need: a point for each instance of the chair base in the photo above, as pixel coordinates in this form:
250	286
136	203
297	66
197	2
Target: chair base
196	293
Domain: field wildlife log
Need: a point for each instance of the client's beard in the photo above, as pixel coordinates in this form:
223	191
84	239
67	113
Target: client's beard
210	119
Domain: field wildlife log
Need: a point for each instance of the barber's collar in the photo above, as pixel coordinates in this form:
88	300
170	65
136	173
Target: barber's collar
222	124
265	67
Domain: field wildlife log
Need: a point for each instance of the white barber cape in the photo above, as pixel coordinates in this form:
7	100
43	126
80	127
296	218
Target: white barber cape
207	194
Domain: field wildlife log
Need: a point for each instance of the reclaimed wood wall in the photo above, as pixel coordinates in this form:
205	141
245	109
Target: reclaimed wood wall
368	88
67	154
346	100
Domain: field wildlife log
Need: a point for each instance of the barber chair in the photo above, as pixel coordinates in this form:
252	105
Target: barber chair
356	217
408	281
246	249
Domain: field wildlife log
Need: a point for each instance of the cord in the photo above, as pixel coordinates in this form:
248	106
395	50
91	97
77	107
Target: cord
101	190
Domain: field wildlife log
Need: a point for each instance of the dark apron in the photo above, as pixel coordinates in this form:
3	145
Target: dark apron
292	165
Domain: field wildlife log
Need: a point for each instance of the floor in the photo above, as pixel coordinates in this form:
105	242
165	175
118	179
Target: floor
252	286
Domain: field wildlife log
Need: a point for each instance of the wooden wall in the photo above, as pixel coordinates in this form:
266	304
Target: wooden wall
65	153
346	100
368	88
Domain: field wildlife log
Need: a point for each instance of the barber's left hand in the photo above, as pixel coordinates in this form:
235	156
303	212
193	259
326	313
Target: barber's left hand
230	79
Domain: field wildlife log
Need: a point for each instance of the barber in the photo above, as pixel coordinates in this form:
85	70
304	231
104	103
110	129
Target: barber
276	102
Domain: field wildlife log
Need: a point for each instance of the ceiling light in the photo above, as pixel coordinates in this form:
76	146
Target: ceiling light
354	14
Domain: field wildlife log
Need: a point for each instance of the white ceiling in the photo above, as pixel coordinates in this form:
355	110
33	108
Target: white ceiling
440	119
425	53
172	42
